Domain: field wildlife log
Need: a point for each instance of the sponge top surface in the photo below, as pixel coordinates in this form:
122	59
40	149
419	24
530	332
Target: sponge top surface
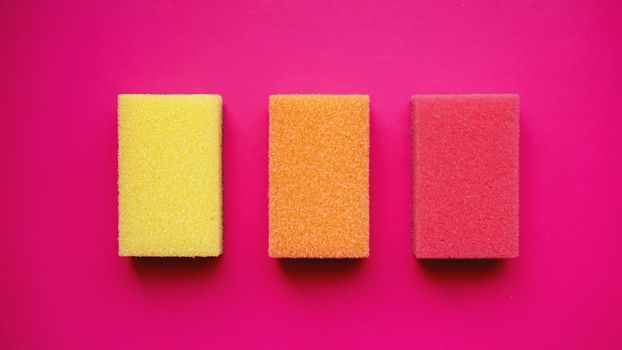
465	176
170	201
319	170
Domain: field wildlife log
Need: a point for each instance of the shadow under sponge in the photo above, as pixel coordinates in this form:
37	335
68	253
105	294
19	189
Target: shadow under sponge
465	150
319	176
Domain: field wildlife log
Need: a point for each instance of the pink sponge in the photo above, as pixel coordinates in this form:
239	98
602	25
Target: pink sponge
465	176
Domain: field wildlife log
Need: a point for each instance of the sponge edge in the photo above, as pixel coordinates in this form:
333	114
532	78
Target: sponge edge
170	177
319	176
465	163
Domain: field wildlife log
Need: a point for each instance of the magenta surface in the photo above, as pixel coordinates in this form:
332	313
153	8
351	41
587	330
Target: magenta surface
63	64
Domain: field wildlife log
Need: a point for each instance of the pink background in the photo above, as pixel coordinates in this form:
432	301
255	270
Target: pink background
62	284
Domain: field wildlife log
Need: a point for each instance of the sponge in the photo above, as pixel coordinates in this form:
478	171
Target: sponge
319	176
466	176
170	182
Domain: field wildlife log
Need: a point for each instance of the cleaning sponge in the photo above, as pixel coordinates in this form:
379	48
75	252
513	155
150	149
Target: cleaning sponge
319	171
465	176
170	192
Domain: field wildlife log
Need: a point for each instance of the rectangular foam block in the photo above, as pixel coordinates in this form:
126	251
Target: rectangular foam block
170	182
319	176
466	176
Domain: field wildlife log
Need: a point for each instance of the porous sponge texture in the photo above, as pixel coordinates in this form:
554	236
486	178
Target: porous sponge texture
170	182
466	163
319	176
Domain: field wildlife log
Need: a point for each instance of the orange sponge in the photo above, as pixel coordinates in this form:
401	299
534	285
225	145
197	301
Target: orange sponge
319	176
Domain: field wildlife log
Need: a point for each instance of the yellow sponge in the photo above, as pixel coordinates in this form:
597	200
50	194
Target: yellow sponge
170	178
319	176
